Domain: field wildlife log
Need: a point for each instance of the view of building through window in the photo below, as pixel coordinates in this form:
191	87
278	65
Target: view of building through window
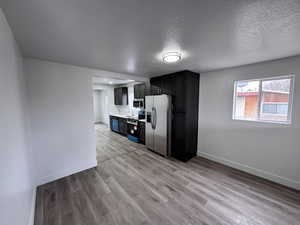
246	100
263	100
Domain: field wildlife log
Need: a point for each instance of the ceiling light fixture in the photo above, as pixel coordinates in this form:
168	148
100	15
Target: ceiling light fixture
171	57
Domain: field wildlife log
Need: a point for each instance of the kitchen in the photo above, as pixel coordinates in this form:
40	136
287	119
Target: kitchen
118	114
132	125
161	116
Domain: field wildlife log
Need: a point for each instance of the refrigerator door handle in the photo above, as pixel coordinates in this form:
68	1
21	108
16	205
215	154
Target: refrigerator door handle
154	118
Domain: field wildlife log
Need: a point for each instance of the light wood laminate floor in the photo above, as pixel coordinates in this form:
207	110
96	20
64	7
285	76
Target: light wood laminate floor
132	185
110	144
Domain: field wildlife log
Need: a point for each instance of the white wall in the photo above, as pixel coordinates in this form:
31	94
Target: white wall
62	117
61	109
16	160
268	150
109	106
100	106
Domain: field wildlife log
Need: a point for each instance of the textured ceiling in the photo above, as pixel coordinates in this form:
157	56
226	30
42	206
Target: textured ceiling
129	36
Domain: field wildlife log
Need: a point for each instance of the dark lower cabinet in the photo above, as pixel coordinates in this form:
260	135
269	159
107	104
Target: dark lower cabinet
184	88
114	123
142	131
118	124
123	126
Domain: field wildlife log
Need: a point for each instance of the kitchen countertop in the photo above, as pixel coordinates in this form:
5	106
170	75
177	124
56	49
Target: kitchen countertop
122	116
128	117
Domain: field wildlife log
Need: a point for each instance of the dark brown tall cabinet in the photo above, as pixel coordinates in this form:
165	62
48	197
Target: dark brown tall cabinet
184	88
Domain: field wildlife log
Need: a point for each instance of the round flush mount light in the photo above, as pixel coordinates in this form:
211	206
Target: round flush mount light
171	57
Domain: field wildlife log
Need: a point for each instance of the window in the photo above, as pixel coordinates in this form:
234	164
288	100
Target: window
264	100
275	108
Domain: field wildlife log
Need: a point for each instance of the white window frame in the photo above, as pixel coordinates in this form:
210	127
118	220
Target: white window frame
290	103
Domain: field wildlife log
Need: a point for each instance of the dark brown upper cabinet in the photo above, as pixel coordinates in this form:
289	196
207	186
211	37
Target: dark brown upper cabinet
139	91
121	96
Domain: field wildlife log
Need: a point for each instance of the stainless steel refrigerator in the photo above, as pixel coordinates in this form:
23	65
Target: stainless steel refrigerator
158	123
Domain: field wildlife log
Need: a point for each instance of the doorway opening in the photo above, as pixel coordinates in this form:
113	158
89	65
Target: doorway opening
118	116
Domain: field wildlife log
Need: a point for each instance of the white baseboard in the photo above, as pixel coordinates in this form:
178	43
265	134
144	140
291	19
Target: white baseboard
32	210
61	174
260	173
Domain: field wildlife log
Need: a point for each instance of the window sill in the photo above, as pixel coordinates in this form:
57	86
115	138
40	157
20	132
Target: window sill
265	121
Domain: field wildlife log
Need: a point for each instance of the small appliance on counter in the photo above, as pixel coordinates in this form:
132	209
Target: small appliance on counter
133	130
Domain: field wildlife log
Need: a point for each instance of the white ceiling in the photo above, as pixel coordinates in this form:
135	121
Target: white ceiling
129	36
110	81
